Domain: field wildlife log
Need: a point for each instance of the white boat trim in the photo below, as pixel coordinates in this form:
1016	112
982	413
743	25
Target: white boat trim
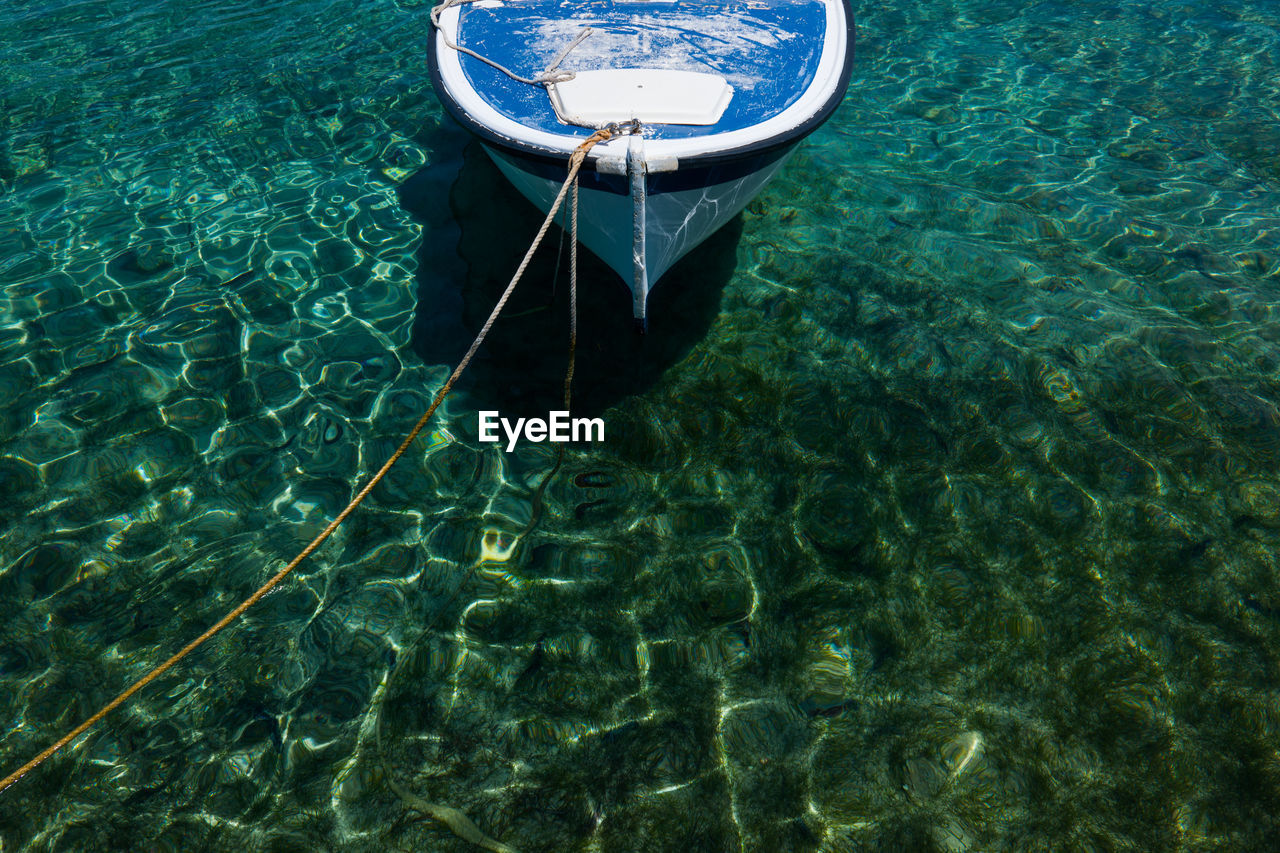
826	81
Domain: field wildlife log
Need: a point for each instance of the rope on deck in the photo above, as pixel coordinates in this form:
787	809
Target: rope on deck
548	76
575	163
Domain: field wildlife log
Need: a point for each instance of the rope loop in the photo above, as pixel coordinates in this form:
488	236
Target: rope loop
549	75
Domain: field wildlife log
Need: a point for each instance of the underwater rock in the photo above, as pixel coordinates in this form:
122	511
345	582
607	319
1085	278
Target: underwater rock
140	263
835	519
18	479
922	778
827	678
953	589
952	836
1258	500
960	754
1060	506
762	740
40	571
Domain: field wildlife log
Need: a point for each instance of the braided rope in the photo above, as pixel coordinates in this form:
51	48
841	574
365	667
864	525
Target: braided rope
575	163
548	76
573	296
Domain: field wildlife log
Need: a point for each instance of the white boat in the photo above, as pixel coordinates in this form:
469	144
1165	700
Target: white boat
709	98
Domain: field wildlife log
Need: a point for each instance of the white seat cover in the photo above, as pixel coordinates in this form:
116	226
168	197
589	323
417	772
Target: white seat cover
652	95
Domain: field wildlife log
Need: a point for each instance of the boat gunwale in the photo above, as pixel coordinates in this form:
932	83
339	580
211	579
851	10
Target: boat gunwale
541	153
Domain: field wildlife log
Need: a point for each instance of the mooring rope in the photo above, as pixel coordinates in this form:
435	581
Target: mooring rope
548	76
573	296
575	163
456	820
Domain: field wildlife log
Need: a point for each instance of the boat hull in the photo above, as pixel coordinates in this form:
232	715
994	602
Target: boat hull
682	209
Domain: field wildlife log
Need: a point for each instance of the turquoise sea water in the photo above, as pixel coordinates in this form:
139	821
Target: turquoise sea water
938	512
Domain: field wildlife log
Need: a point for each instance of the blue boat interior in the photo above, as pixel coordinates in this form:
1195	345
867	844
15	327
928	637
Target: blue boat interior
767	50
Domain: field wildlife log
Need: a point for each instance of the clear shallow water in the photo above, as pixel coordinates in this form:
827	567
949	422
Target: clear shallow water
947	521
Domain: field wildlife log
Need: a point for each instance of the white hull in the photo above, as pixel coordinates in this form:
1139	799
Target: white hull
673	223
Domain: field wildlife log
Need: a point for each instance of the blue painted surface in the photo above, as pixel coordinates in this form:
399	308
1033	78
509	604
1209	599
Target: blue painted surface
768	50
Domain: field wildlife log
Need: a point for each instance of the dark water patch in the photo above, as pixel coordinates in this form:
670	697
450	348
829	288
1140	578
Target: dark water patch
613	361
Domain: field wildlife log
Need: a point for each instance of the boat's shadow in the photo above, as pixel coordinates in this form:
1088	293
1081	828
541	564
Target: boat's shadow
470	249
